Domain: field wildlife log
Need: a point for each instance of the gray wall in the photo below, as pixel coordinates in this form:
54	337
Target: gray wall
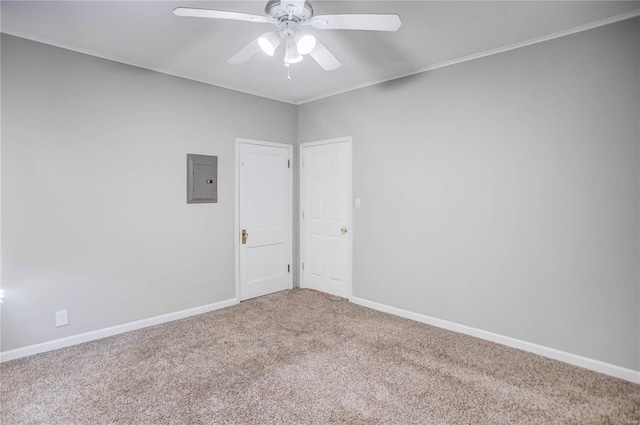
94	215
503	193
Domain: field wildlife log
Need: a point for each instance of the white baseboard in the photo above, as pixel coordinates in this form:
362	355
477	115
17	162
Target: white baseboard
574	359
113	330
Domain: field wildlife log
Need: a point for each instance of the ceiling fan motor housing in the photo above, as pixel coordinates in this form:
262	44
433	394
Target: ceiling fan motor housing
275	11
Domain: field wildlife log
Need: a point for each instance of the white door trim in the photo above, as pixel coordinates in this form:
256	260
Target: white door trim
240	141
349	141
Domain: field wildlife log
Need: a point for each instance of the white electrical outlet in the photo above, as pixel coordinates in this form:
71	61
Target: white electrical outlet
62	318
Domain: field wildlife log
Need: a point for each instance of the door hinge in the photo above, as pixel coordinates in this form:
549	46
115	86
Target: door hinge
302	266
303	162
288	268
288	163
302	214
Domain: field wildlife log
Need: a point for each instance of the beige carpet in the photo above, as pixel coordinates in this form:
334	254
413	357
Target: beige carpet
302	357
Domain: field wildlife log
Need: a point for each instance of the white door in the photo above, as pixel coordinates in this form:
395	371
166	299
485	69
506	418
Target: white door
326	216
265	247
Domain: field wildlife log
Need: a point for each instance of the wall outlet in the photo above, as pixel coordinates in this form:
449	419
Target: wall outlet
62	318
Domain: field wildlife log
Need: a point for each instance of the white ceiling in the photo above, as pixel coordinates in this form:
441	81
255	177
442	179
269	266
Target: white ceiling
147	34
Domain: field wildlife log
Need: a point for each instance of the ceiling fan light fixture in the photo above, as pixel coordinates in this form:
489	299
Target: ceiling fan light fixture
269	42
305	43
291	54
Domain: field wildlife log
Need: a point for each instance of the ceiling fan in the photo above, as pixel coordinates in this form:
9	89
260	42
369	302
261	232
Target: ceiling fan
290	16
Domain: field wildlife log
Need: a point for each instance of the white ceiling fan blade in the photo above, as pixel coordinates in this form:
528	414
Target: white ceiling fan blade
324	57
367	22
297	4
218	14
246	53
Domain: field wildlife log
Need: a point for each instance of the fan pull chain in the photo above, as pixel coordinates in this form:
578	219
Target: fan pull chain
288	66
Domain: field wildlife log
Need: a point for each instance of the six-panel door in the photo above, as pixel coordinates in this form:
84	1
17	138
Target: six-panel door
326	205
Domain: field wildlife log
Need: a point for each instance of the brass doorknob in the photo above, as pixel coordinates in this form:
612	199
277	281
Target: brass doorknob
343	230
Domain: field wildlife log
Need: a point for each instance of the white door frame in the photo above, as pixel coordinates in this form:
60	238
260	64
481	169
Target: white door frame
240	141
349	141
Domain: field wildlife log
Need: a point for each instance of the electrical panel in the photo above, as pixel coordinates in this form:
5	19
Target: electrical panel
202	179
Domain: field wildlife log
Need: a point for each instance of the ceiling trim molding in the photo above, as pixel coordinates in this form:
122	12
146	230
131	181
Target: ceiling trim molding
114	59
552	36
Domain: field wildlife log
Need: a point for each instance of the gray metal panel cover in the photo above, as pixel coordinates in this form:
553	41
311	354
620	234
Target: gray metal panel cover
202	179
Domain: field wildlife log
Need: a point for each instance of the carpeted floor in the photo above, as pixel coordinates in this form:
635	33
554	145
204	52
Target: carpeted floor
306	358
